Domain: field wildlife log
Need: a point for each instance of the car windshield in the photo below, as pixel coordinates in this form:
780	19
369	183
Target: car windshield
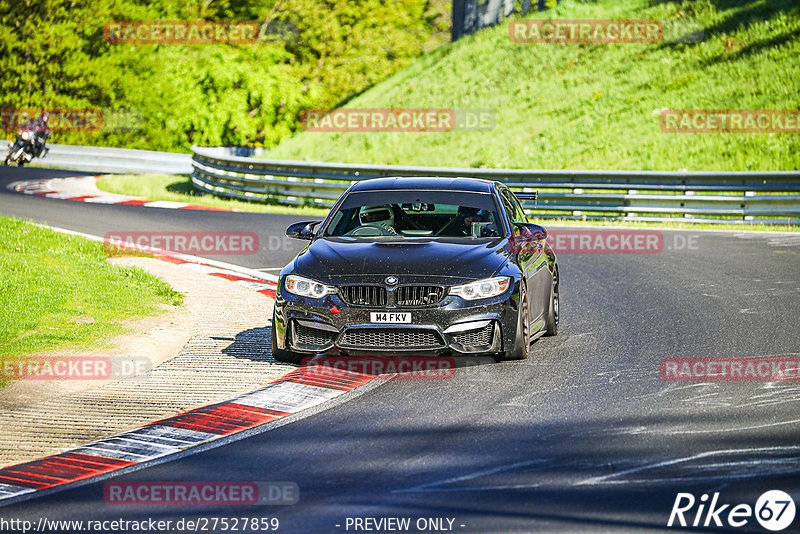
416	213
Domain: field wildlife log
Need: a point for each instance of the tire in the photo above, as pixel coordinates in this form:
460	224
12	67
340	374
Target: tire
551	325
20	163
8	158
522	345
285	356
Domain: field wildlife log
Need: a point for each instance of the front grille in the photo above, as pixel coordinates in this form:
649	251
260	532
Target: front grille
419	295
363	295
390	338
311	337
475	338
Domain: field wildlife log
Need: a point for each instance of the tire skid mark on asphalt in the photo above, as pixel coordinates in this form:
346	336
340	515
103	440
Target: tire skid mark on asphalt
727	465
623	477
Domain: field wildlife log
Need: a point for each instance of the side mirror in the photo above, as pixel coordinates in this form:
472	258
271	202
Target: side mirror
302	230
533	231
527	238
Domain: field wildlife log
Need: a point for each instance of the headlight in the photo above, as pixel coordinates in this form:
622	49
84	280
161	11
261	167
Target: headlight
26	135
482	289
305	287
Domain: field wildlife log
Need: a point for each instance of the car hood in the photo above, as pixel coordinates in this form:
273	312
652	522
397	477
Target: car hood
337	259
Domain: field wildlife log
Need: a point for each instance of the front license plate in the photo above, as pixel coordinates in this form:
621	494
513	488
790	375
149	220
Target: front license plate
390	317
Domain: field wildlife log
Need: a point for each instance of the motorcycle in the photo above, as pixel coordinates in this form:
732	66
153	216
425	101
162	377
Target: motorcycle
30	144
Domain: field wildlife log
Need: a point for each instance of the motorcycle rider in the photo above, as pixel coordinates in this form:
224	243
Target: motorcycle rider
40	128
30	143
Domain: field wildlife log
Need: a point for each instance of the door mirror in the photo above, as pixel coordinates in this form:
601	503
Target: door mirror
532	231
302	230
527	238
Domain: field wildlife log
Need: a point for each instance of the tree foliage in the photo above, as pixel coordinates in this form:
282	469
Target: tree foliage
53	54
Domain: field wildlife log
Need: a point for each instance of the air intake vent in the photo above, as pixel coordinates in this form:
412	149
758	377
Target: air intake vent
419	295
364	295
390	338
476	338
312	338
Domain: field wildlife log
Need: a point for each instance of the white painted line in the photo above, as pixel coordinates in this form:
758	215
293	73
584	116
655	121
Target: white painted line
204	269
171	432
106	199
207	269
126	449
258	286
251	273
166	204
287	397
233	269
7	490
168	435
61	195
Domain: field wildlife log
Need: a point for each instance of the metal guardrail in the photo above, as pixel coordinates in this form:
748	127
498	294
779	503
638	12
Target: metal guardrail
470	16
772	196
112	160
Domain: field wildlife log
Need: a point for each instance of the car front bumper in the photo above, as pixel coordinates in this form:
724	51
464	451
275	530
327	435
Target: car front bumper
455	326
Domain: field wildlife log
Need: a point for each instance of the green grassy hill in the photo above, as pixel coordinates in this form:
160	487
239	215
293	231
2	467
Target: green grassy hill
593	106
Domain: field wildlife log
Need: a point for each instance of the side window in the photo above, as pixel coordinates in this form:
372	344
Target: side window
513	207
507	206
519	210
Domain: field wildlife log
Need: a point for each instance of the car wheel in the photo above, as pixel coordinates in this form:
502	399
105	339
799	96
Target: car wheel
285	356
522	345
551	328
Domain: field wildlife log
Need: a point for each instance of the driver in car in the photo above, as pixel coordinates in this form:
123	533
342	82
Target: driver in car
465	218
381	217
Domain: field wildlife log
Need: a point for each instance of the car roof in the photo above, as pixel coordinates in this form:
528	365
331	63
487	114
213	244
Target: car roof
424	182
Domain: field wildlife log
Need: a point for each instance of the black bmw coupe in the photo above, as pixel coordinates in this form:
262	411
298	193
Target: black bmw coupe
422	266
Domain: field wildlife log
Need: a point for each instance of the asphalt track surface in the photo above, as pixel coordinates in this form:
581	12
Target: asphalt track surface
583	436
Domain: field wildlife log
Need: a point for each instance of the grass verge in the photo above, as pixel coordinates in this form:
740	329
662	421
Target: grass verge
59	292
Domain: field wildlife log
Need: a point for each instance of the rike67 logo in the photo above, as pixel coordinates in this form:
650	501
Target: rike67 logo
774	510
